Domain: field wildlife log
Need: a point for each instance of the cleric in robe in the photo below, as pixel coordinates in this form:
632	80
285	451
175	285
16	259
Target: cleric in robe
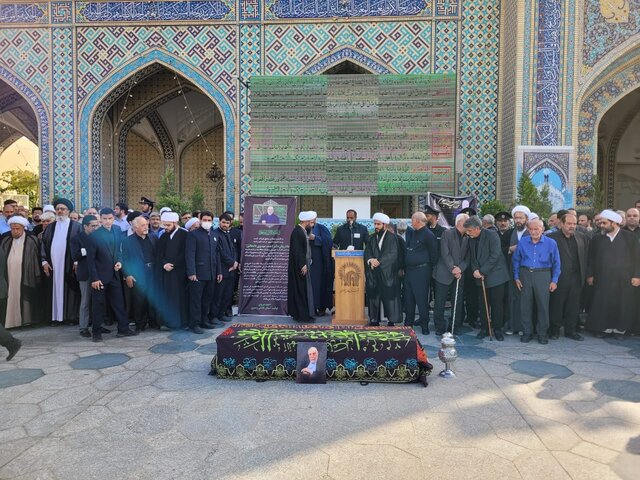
613	268
321	243
20	268
299	291
57	263
384	258
173	273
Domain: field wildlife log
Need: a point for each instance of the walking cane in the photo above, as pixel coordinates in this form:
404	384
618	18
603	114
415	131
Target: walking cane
455	305
486	306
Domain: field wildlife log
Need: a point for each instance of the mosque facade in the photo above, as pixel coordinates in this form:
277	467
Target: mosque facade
116	92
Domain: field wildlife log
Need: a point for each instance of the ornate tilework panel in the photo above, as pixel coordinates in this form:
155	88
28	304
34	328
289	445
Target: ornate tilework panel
591	111
447	8
61	12
352	8
23	13
250	9
569	63
154	11
446	54
347	54
26	52
108	176
607	25
195	162
210	49
552	166
527	55
548	71
479	97
163	136
250	43
401	47
144	169
43	117
63	112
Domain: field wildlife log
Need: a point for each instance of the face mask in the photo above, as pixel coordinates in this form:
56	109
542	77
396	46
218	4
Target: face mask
206	225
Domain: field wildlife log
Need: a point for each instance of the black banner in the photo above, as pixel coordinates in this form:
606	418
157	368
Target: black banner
448	206
268	223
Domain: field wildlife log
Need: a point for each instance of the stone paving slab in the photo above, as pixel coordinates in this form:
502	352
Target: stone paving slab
145	407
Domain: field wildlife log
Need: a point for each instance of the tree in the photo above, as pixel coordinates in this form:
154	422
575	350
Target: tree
168	195
22	182
197	198
491	207
596	194
537	200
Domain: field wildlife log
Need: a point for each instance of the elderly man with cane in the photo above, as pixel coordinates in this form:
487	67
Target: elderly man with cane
449	275
490	270
536	269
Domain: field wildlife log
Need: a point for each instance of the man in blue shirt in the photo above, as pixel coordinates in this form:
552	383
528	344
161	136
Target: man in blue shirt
536	269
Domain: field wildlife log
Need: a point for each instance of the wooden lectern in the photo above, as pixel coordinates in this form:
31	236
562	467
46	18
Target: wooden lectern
349	287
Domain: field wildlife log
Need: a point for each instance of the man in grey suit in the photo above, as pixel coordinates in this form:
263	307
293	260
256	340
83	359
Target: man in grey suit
449	274
488	265
564	305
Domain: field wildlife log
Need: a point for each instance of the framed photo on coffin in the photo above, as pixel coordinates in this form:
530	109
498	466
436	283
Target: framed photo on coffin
311	362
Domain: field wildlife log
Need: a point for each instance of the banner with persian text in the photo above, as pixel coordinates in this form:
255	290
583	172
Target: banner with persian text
352	134
449	207
268	223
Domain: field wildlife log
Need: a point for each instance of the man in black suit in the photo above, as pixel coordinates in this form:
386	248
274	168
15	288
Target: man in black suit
139	267
351	233
104	263
565	300
228	269
203	271
173	299
79	251
488	265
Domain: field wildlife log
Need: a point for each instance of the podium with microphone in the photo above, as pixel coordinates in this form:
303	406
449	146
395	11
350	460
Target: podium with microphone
349	285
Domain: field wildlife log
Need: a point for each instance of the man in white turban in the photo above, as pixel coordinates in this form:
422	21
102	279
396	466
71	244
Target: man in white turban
20	269
613	268
384	264
521	216
299	289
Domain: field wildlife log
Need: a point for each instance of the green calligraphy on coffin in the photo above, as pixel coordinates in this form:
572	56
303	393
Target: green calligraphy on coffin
353	134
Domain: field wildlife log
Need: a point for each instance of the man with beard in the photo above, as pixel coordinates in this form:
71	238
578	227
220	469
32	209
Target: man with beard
536	269
138	266
420	259
565	306
321	243
384	264
228	269
79	252
203	271
103	260
58	264
121	211
299	290
20	271
613	269
521	215
173	273
351	234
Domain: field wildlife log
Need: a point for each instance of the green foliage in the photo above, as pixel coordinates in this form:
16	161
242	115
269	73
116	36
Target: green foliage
538	201
22	182
491	207
168	195
597	194
197	198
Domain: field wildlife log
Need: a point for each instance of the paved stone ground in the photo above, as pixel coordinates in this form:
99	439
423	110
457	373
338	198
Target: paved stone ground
148	409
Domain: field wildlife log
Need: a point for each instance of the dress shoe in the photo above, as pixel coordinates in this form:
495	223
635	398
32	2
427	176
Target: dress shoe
104	330
85	333
97	337
526	338
498	334
127	333
482	333
207	325
439	333
197	330
225	319
542	339
425	331
13	349
374	324
508	332
575	336
391	324
618	336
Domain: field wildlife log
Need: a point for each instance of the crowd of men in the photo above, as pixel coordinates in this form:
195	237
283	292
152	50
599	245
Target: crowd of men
505	274
135	269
